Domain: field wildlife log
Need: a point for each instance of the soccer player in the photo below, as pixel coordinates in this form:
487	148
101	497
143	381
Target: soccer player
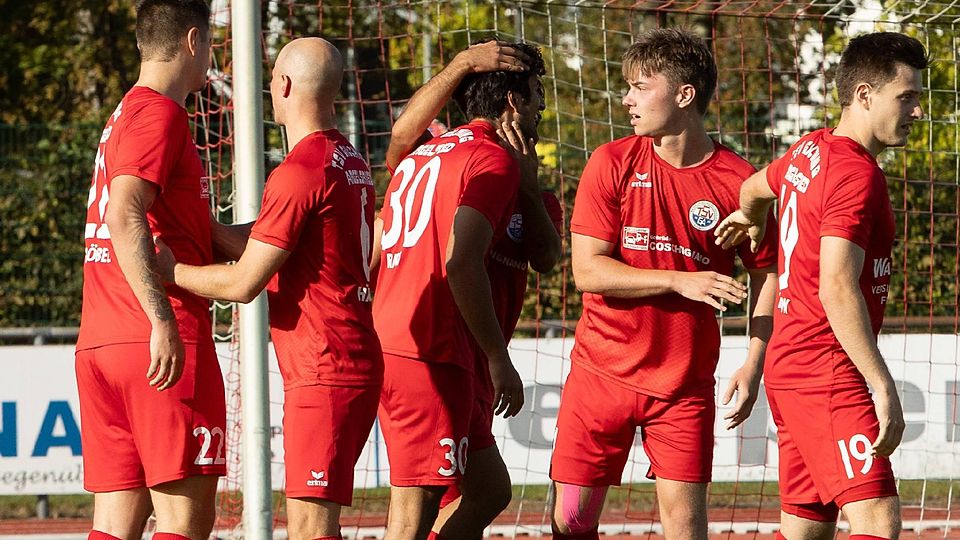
647	343
151	393
532	239
312	241
448	202
836	235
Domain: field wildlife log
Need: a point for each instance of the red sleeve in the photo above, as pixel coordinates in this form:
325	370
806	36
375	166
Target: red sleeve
775	172
152	142
850	205
554	210
287	204
492	180
596	210
766	255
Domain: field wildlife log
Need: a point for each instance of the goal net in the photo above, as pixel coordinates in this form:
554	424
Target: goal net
776	62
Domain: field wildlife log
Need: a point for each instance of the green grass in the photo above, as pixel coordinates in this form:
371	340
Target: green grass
532	499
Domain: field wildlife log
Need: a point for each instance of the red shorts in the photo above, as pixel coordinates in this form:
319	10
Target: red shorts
134	436
481	420
324	431
824	437
425	413
598	421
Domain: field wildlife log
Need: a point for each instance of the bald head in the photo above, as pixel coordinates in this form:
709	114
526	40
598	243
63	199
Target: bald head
314	66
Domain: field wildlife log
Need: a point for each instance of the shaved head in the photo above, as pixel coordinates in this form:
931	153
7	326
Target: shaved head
314	66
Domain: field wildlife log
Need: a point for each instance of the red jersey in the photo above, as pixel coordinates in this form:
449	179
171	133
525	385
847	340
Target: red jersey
319	205
658	217
507	266
827	186
413	310
147	136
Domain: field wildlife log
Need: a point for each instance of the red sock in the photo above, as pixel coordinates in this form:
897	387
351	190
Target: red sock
866	537
334	537
169	536
99	535
780	536
435	536
586	535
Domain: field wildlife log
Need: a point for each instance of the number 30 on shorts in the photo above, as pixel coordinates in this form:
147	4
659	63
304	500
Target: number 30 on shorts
859	449
456	454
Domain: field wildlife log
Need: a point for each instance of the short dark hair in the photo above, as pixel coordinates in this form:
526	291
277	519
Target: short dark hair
161	24
484	95
873	58
679	55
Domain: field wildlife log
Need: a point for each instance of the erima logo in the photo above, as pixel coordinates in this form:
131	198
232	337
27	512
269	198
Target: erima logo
881	267
641	180
317	480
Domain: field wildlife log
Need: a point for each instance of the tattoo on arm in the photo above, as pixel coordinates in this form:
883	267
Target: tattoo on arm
157	299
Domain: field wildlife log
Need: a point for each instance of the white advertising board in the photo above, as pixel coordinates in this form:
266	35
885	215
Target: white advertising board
40	450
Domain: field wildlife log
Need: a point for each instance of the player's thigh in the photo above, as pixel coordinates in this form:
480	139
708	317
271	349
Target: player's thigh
309	518
683	508
678	436
576	509
794	527
180	432
838	425
123	513
487	481
425	411
878	516
595	430
111	460
325	429
186	506
796	485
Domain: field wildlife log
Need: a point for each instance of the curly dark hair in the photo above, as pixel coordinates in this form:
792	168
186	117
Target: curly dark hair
161	24
677	54
484	95
873	58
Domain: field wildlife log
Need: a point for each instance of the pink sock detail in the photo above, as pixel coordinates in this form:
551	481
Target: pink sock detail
169	536
100	535
580	517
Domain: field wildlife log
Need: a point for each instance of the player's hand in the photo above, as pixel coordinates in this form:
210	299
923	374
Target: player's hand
492	56
523	150
890	416
746	384
507	387
710	288
166	355
165	260
736	228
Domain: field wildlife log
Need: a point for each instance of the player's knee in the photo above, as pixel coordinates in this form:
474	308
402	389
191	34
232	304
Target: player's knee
574	514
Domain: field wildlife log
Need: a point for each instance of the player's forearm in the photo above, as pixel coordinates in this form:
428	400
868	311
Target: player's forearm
470	286
422	108
541	242
763	289
606	276
229	240
135	252
850	321
756	196
217	282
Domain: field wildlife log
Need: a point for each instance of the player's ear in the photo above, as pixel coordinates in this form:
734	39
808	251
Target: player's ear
514	101
285	85
862	93
686	94
193	40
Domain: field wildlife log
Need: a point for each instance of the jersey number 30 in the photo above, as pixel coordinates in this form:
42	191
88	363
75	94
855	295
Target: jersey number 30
402	212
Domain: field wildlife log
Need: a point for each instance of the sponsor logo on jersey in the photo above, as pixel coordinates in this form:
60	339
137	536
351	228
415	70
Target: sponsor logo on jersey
641	181
704	215
797	178
515	228
318	479
204	187
97	254
881	267
636	238
811	151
